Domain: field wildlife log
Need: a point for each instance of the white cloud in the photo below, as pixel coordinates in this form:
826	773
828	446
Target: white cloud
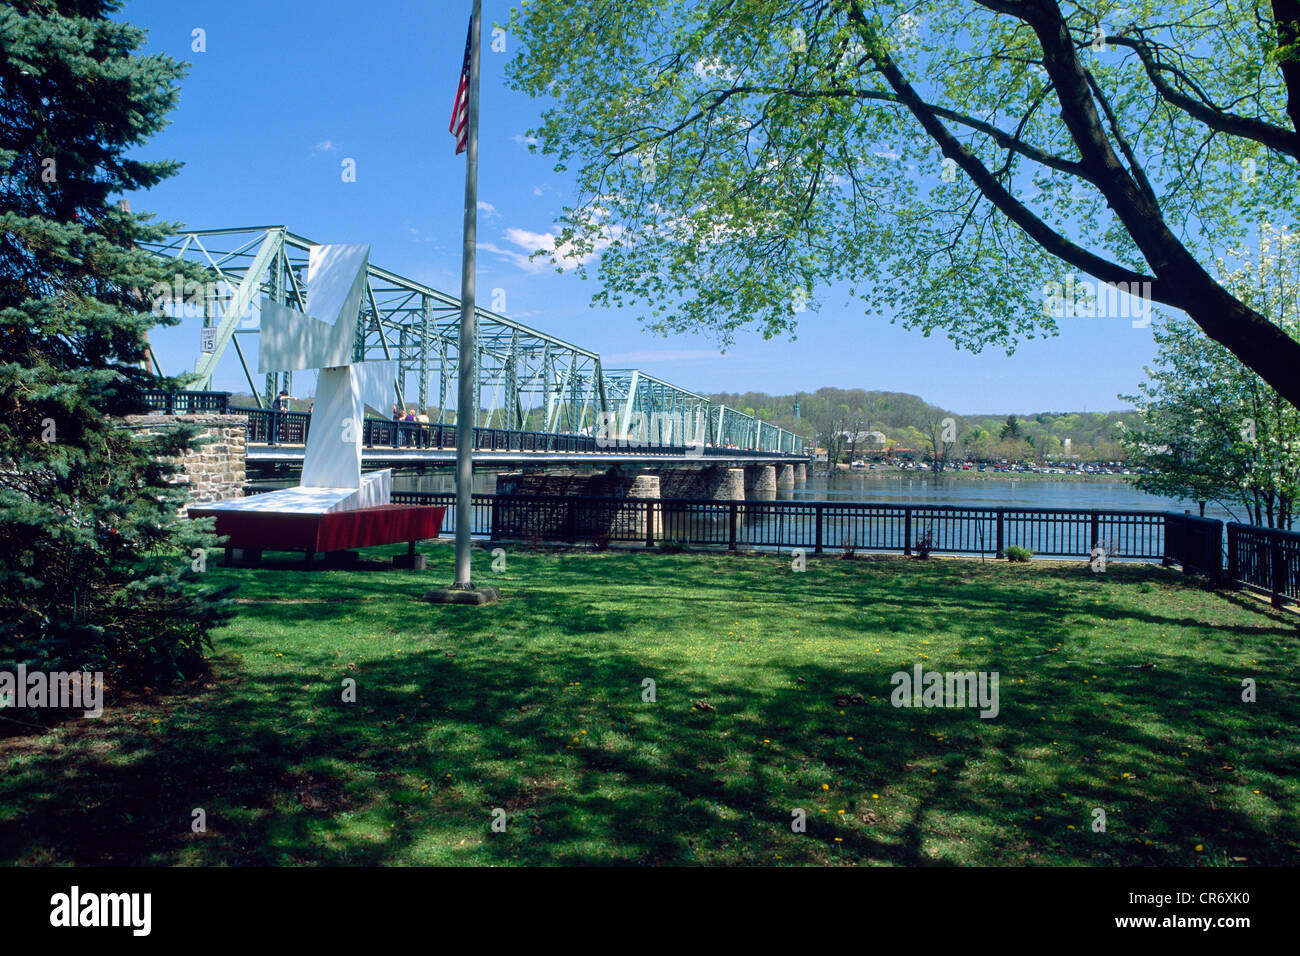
530	242
524	140
326	146
510	255
488	209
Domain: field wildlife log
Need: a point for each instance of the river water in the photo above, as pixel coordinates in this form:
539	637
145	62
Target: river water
899	488
1009	492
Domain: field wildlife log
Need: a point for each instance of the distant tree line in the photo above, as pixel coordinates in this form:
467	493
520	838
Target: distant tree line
832	416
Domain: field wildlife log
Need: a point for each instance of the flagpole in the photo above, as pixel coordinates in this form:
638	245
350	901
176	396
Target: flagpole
467	401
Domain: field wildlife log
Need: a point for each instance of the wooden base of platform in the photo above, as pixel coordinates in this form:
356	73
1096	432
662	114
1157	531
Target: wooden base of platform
253	532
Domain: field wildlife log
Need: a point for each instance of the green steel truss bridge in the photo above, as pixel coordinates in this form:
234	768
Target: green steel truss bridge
527	379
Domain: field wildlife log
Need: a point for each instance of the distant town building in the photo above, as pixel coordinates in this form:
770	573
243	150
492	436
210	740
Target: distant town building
867	440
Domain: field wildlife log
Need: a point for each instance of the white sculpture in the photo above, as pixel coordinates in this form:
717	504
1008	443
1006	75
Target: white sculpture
322	337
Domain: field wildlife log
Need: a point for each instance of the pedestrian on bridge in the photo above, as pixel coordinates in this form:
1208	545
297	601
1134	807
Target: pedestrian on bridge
279	408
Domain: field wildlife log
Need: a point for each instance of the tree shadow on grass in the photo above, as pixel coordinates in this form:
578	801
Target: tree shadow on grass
559	737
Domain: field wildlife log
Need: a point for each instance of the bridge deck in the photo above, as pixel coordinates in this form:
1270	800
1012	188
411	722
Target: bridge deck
377	457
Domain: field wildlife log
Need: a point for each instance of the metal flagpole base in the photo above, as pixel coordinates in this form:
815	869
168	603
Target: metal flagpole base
462	594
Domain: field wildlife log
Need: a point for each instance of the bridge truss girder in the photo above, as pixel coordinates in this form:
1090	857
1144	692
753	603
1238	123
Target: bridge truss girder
525	378
648	409
727	426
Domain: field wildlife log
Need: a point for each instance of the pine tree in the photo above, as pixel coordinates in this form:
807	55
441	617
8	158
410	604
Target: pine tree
95	563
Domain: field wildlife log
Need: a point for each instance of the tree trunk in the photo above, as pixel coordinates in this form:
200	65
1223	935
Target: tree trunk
1262	346
1286	15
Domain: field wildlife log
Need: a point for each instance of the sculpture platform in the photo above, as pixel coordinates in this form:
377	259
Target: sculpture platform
322	532
375	490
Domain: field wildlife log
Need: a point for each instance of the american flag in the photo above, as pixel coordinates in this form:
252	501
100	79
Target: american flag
460	111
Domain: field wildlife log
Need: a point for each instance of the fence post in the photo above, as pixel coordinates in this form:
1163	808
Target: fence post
1234	568
649	523
495	516
1278	568
1213	554
1095	526
571	520
731	525
999	535
907	531
817	547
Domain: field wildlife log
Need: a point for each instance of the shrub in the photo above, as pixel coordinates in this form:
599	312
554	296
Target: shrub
925	544
1017	553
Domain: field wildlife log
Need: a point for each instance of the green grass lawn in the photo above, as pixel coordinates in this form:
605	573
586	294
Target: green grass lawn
1119	691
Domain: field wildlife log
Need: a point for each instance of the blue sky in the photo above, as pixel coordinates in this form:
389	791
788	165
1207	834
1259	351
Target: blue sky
287	90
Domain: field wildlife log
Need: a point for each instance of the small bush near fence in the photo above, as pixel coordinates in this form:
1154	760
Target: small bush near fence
1017	553
925	544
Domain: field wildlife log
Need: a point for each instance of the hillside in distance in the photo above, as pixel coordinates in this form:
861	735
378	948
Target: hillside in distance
908	420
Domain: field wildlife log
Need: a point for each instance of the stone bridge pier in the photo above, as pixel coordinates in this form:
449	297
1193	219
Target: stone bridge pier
760	482
549	520
709	483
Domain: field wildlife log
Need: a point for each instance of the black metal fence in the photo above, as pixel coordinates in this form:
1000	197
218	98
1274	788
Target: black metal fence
817	526
1265	560
1194	543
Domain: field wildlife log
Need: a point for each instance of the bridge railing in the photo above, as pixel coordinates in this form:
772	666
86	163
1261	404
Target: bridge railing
268	426
271	427
720	451
187	402
293	428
